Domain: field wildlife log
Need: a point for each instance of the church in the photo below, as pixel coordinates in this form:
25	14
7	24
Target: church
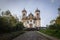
31	21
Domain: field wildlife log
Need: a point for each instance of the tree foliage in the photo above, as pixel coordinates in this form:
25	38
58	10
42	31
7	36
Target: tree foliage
56	25
58	20
8	23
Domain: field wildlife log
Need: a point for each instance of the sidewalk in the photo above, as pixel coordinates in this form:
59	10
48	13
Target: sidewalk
49	37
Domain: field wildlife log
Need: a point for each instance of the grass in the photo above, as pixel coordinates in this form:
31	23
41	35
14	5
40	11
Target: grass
10	36
54	33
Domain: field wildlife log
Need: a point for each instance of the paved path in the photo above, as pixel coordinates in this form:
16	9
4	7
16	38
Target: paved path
31	35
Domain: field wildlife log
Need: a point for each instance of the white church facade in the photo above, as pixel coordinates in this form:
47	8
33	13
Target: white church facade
31	21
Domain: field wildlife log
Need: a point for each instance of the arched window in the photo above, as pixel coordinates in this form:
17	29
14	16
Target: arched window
37	14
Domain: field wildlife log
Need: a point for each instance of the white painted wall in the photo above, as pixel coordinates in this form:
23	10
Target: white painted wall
37	24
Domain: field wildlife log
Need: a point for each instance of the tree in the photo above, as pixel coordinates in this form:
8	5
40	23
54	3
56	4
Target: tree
58	20
9	23
19	26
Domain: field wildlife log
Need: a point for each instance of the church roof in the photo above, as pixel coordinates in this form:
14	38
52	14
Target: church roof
30	14
37	10
24	10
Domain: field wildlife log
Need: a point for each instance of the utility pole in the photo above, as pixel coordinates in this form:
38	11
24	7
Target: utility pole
0	12
59	11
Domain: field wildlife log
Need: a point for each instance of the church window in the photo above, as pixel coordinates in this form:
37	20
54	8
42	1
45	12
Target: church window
30	20
37	14
23	14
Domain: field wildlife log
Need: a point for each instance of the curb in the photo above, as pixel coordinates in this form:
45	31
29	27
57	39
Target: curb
49	37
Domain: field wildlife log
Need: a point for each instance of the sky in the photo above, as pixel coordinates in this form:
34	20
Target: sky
48	8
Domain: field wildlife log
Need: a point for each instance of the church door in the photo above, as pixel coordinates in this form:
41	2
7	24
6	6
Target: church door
30	25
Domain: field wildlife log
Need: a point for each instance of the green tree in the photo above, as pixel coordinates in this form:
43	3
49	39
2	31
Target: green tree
20	26
9	23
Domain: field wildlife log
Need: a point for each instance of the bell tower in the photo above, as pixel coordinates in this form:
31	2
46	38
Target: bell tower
37	17
37	13
24	13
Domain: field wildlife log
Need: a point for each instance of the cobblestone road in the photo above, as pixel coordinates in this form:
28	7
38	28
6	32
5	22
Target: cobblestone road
31	35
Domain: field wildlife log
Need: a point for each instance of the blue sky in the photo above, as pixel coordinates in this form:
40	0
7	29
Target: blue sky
48	8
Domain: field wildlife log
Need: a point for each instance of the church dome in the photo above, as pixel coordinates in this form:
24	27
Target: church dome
24	10
37	10
30	14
